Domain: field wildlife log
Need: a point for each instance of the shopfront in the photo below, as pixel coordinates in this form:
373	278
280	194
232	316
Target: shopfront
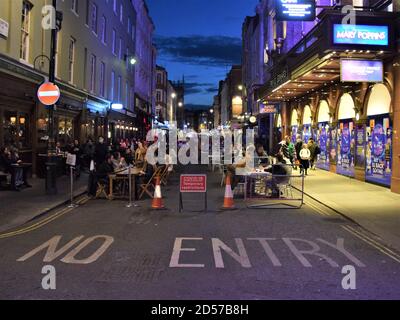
378	164
294	125
323	135
345	152
306	133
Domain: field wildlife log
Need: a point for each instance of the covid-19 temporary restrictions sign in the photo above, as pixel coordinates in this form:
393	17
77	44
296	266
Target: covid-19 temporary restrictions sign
295	10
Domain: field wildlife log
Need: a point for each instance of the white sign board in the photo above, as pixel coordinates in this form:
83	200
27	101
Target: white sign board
71	159
4	27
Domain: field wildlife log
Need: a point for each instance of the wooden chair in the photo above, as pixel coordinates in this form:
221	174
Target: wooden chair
149	186
101	190
165	175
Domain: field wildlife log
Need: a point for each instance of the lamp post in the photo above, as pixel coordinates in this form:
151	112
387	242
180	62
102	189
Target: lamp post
51	165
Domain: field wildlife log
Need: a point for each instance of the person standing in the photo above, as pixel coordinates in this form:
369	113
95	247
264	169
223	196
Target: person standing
305	156
100	152
297	148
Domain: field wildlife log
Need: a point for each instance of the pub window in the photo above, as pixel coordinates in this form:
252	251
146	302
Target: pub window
65	130
16	129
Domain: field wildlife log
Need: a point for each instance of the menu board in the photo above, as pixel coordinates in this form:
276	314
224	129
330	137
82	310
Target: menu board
323	141
378	167
345	148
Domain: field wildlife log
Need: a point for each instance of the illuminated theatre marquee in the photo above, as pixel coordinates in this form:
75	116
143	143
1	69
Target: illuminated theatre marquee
360	34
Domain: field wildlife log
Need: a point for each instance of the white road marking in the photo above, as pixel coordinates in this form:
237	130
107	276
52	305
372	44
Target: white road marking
174	263
242	257
268	250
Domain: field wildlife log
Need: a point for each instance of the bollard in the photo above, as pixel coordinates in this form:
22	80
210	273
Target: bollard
72	204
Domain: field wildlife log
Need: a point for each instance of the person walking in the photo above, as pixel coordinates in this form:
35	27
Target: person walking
305	156
313	147
297	148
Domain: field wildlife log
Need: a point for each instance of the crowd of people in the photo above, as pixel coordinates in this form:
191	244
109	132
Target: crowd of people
300	154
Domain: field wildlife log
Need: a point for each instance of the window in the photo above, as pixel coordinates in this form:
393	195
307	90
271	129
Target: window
102	78
115	6
120	48
87	12
158	98
114	42
127	94
121	13
71	60
119	89
103	29
74	6
112	93
129	25
94	18
93	73
158	78
25	29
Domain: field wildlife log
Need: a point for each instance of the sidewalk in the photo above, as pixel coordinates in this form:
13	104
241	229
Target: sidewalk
373	207
17	208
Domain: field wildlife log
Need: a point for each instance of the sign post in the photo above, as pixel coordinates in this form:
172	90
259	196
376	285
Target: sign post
71	162
193	183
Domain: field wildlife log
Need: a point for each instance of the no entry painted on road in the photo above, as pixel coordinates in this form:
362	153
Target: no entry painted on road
48	93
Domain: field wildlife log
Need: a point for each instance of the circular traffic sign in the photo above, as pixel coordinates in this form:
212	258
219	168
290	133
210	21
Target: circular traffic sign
48	94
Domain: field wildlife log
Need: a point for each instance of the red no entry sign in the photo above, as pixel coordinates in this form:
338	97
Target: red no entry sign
193	183
48	94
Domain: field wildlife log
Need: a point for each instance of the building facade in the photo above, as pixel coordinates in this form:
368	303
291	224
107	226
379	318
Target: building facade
161	93
95	48
317	92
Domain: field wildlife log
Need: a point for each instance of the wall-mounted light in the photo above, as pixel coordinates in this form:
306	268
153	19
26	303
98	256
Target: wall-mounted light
13	120
357	116
240	87
173	95
180	104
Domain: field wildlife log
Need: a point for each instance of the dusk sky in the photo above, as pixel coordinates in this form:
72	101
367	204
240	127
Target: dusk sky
199	39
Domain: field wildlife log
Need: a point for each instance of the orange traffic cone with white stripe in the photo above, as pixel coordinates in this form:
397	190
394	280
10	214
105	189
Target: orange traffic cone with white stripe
228	198
157	202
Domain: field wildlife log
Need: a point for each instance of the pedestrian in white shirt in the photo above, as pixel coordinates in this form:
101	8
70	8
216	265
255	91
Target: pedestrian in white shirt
305	156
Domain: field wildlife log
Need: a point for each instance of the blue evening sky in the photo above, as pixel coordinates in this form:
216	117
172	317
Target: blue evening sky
199	39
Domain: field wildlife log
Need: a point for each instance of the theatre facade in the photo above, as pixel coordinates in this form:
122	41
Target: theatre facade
337	85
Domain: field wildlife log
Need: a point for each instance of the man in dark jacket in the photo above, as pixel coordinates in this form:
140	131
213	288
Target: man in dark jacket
100	152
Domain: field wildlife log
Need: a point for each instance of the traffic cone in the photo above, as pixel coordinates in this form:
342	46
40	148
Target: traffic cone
157	202
228	198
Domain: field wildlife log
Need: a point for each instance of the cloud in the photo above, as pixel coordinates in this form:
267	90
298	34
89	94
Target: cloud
196	87
200	50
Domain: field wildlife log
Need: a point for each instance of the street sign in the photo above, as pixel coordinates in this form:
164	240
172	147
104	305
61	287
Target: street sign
193	183
48	94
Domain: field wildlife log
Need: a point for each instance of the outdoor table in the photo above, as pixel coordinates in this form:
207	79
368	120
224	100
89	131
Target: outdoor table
122	176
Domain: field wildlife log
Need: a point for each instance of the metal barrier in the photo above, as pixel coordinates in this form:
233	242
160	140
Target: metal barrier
270	190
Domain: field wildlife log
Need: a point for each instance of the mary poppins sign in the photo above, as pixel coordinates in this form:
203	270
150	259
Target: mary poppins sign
360	34
295	10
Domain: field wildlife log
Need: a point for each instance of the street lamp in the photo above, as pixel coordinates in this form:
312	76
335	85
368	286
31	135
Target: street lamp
51	164
180	104
211	111
240	87
133	61
173	95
